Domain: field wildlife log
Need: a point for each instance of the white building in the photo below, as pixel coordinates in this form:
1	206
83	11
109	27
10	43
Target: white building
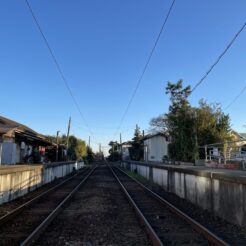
155	147
125	153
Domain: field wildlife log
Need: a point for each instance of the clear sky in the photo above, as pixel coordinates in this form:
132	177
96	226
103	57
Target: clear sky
102	47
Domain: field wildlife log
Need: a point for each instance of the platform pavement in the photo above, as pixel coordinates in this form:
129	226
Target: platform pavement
238	176
229	172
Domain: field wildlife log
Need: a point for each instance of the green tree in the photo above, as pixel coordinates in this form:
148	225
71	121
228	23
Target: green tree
136	151
114	151
90	155
71	152
190	127
76	147
180	123
213	125
80	149
158	124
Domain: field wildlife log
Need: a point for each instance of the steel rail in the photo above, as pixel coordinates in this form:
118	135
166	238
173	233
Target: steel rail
150	231
17	210
30	240
210	236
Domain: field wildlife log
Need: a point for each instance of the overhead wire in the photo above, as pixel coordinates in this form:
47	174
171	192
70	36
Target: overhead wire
57	65
145	66
219	58
236	98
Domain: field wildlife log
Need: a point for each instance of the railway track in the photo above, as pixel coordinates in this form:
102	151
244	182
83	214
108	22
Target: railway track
98	213
19	224
165	224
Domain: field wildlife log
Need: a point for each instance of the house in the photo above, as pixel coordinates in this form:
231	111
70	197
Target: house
240	142
156	147
19	143
233	150
125	150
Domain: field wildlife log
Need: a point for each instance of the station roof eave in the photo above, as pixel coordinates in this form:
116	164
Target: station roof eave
36	139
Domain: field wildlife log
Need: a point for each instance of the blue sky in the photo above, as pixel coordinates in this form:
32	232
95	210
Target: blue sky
102	47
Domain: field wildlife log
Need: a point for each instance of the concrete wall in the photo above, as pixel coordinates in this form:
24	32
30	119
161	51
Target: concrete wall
15	181
221	193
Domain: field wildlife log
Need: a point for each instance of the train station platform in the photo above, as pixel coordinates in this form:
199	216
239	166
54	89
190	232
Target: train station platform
4	169
17	180
222	191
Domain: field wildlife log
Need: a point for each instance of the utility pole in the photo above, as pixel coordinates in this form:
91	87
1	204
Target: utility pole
89	141
68	131
120	147
57	135
113	150
196	154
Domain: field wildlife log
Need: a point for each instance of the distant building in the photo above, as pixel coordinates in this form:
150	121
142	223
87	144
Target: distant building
233	150
19	143
156	147
125	150
241	138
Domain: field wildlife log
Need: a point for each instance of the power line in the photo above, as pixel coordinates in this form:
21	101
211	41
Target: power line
235	99
57	65
219	58
146	66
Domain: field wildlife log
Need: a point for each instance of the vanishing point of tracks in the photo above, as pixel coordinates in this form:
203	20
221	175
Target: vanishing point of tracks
91	209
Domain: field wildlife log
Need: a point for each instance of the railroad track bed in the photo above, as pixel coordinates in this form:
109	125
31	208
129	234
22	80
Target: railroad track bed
98	214
14	229
232	234
92	209
170	228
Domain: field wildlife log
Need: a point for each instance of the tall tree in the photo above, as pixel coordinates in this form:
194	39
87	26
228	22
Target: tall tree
90	155
76	149
136	151
181	123
190	127
114	151
80	149
158	124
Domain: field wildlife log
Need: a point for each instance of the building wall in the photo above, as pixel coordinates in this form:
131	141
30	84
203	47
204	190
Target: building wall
8	153
1	148
125	153
222	194
18	153
155	148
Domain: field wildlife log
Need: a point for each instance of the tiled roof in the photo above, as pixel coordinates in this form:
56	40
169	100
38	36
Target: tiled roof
7	124
8	128
243	135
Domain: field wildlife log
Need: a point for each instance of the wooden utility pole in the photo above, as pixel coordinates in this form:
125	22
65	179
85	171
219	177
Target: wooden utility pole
120	147
68	131
113	151
57	144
